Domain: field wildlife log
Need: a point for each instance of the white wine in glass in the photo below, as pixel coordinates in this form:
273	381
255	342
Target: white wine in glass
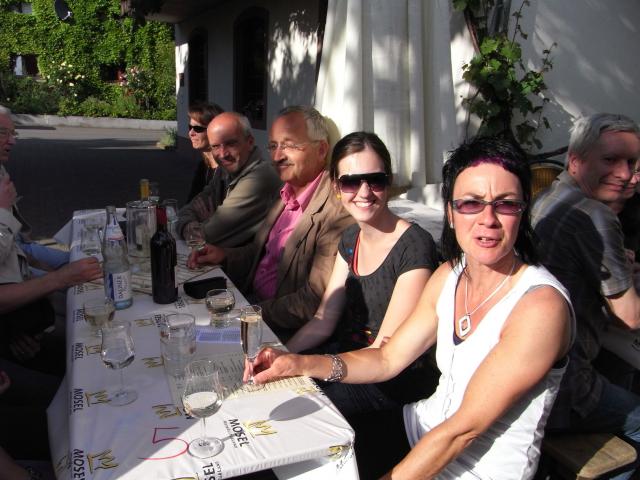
251	338
116	353
98	312
202	397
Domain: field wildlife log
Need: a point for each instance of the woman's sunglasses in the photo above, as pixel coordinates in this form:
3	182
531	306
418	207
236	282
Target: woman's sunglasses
377	182
503	207
197	128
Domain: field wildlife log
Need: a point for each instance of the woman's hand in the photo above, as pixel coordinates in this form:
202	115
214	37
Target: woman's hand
272	364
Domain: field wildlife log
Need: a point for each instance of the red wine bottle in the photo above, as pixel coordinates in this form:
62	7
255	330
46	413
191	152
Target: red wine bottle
164	285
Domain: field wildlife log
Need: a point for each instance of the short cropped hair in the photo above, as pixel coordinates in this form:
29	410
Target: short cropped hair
357	142
316	124
586	131
204	112
510	157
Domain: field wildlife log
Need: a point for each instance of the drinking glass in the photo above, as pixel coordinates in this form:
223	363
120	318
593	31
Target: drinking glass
171	206
117	352
90	239
177	342
251	338
98	313
194	236
202	397
219	302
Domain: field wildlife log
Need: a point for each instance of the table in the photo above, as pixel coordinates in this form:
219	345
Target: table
293	428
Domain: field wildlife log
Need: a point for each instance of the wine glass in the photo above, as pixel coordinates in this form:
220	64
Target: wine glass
117	352
202	397
98	312
194	236
220	301
251	338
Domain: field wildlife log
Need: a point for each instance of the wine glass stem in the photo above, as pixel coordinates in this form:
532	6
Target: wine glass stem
250	380
203	438
121	380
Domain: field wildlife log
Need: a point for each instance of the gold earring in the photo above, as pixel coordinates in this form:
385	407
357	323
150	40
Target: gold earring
338	196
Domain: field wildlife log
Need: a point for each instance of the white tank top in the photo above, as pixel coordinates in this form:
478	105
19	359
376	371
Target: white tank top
510	448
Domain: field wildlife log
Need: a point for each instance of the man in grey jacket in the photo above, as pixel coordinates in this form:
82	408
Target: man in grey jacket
233	204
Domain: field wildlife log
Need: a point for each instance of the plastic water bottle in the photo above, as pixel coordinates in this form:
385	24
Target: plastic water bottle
117	272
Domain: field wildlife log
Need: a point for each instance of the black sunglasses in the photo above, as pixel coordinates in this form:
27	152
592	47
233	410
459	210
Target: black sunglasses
197	128
377	182
503	207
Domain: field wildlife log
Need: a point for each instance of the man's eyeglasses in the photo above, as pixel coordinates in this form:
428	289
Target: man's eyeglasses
503	207
377	182
290	146
197	128
5	132
231	144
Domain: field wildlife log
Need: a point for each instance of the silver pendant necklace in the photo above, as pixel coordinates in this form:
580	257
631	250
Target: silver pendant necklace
464	322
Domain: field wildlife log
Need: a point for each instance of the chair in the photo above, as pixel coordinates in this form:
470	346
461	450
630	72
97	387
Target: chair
585	456
543	173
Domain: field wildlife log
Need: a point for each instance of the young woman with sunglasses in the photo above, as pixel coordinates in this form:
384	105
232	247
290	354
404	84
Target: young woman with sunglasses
503	327
382	266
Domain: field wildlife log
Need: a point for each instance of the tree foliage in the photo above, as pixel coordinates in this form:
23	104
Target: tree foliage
508	98
73	56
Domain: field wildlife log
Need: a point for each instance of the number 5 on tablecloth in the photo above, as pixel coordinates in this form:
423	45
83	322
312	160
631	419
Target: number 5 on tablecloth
156	440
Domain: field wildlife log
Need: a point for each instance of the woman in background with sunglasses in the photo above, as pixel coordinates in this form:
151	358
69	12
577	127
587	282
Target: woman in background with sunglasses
382	266
503	328
200	114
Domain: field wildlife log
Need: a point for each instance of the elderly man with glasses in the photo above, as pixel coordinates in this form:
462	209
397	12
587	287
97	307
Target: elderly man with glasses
249	186
583	246
287	266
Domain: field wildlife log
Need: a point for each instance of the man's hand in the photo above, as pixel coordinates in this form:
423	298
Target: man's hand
208	255
5	382
80	271
202	207
8	192
24	347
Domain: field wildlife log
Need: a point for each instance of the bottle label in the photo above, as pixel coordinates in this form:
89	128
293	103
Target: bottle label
119	288
114	233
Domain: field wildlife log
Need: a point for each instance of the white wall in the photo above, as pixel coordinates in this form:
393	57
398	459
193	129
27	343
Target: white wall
595	64
292	55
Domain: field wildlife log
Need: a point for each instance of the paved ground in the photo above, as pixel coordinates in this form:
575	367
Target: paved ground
62	169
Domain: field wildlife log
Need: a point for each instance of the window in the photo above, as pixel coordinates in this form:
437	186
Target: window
250	36
24	65
22	7
198	66
111	73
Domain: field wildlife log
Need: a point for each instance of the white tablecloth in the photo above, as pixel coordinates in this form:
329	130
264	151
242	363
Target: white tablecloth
148	438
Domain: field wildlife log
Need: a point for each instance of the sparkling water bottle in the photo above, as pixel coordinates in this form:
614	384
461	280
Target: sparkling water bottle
117	272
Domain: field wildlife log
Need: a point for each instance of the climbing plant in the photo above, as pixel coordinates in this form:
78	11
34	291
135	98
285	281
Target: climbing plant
81	60
508	97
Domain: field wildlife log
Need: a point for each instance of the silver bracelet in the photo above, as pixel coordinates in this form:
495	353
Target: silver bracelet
338	369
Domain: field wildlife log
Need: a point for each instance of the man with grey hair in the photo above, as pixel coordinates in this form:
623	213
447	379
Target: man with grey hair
251	186
582	245
287	266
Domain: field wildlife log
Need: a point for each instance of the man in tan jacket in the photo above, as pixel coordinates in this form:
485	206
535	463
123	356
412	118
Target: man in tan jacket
287	266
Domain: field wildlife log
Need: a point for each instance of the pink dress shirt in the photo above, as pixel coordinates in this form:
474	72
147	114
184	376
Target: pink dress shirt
265	279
